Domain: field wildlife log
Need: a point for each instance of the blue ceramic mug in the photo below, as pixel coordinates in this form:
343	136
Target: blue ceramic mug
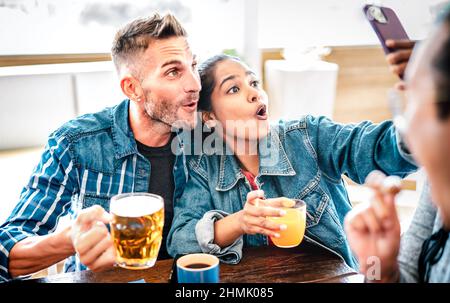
198	268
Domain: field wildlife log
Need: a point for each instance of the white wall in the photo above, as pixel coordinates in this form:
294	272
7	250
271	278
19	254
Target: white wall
288	23
35	100
28	106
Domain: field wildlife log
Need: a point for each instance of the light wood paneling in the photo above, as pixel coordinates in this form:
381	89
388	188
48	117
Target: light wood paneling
15	60
363	81
362	85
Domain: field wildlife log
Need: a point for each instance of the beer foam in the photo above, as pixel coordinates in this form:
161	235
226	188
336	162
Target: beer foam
135	206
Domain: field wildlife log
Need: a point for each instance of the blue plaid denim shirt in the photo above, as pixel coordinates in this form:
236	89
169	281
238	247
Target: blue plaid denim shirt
86	162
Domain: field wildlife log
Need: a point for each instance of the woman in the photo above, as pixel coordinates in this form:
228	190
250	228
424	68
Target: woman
220	211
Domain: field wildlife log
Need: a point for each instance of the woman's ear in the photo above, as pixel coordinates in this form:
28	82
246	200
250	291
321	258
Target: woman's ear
209	119
132	88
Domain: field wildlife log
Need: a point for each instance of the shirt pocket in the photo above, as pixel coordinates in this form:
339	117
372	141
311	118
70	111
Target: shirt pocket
321	219
316	203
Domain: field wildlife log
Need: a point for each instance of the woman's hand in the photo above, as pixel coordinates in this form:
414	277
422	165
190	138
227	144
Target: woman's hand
398	59
253	218
373	229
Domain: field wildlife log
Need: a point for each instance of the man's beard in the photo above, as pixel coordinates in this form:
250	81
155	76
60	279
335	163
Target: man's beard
166	112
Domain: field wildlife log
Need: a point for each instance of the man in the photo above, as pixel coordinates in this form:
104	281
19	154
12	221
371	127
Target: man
373	229
121	149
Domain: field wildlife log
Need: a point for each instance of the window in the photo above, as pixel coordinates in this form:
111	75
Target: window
88	26
287	23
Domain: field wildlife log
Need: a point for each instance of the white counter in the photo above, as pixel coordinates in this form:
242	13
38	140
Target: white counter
299	88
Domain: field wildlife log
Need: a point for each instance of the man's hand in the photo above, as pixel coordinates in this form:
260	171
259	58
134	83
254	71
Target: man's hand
399	58
373	228
253	218
91	238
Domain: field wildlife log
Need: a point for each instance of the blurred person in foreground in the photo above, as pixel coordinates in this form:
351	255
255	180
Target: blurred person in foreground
422	254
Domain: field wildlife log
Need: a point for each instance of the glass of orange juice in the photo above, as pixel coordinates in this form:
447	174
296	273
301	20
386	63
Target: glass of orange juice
295	220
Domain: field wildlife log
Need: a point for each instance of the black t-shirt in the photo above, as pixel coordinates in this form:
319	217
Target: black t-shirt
161	183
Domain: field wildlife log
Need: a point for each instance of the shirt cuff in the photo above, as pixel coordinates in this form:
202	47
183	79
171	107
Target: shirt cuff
7	245
204	231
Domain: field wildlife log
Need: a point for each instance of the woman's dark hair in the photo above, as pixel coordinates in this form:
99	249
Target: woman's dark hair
206	71
441	72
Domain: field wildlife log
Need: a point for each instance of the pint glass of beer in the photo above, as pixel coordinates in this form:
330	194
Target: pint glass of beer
136	228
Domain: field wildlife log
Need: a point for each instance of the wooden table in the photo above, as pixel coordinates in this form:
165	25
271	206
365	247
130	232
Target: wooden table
305	263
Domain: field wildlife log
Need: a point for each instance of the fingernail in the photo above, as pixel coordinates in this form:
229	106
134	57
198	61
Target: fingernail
282	213
288	203
276	235
283	227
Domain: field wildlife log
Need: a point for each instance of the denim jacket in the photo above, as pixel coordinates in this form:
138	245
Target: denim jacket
303	159
86	162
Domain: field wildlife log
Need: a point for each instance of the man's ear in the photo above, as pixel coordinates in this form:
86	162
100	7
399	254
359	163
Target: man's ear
132	88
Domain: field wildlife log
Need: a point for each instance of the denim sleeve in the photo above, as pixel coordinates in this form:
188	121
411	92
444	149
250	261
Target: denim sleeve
45	198
204	231
192	229
357	149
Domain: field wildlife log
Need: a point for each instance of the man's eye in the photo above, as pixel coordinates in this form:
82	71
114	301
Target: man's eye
233	90
194	65
172	73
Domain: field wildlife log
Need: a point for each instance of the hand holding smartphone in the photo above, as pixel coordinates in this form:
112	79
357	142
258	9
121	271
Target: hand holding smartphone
395	41
386	25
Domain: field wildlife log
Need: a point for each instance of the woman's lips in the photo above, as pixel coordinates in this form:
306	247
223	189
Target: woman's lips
262	117
261	113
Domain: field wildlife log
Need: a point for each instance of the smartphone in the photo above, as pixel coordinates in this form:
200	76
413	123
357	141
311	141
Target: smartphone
386	24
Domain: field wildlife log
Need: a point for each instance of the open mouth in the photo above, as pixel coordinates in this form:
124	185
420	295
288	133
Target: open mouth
261	113
191	106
